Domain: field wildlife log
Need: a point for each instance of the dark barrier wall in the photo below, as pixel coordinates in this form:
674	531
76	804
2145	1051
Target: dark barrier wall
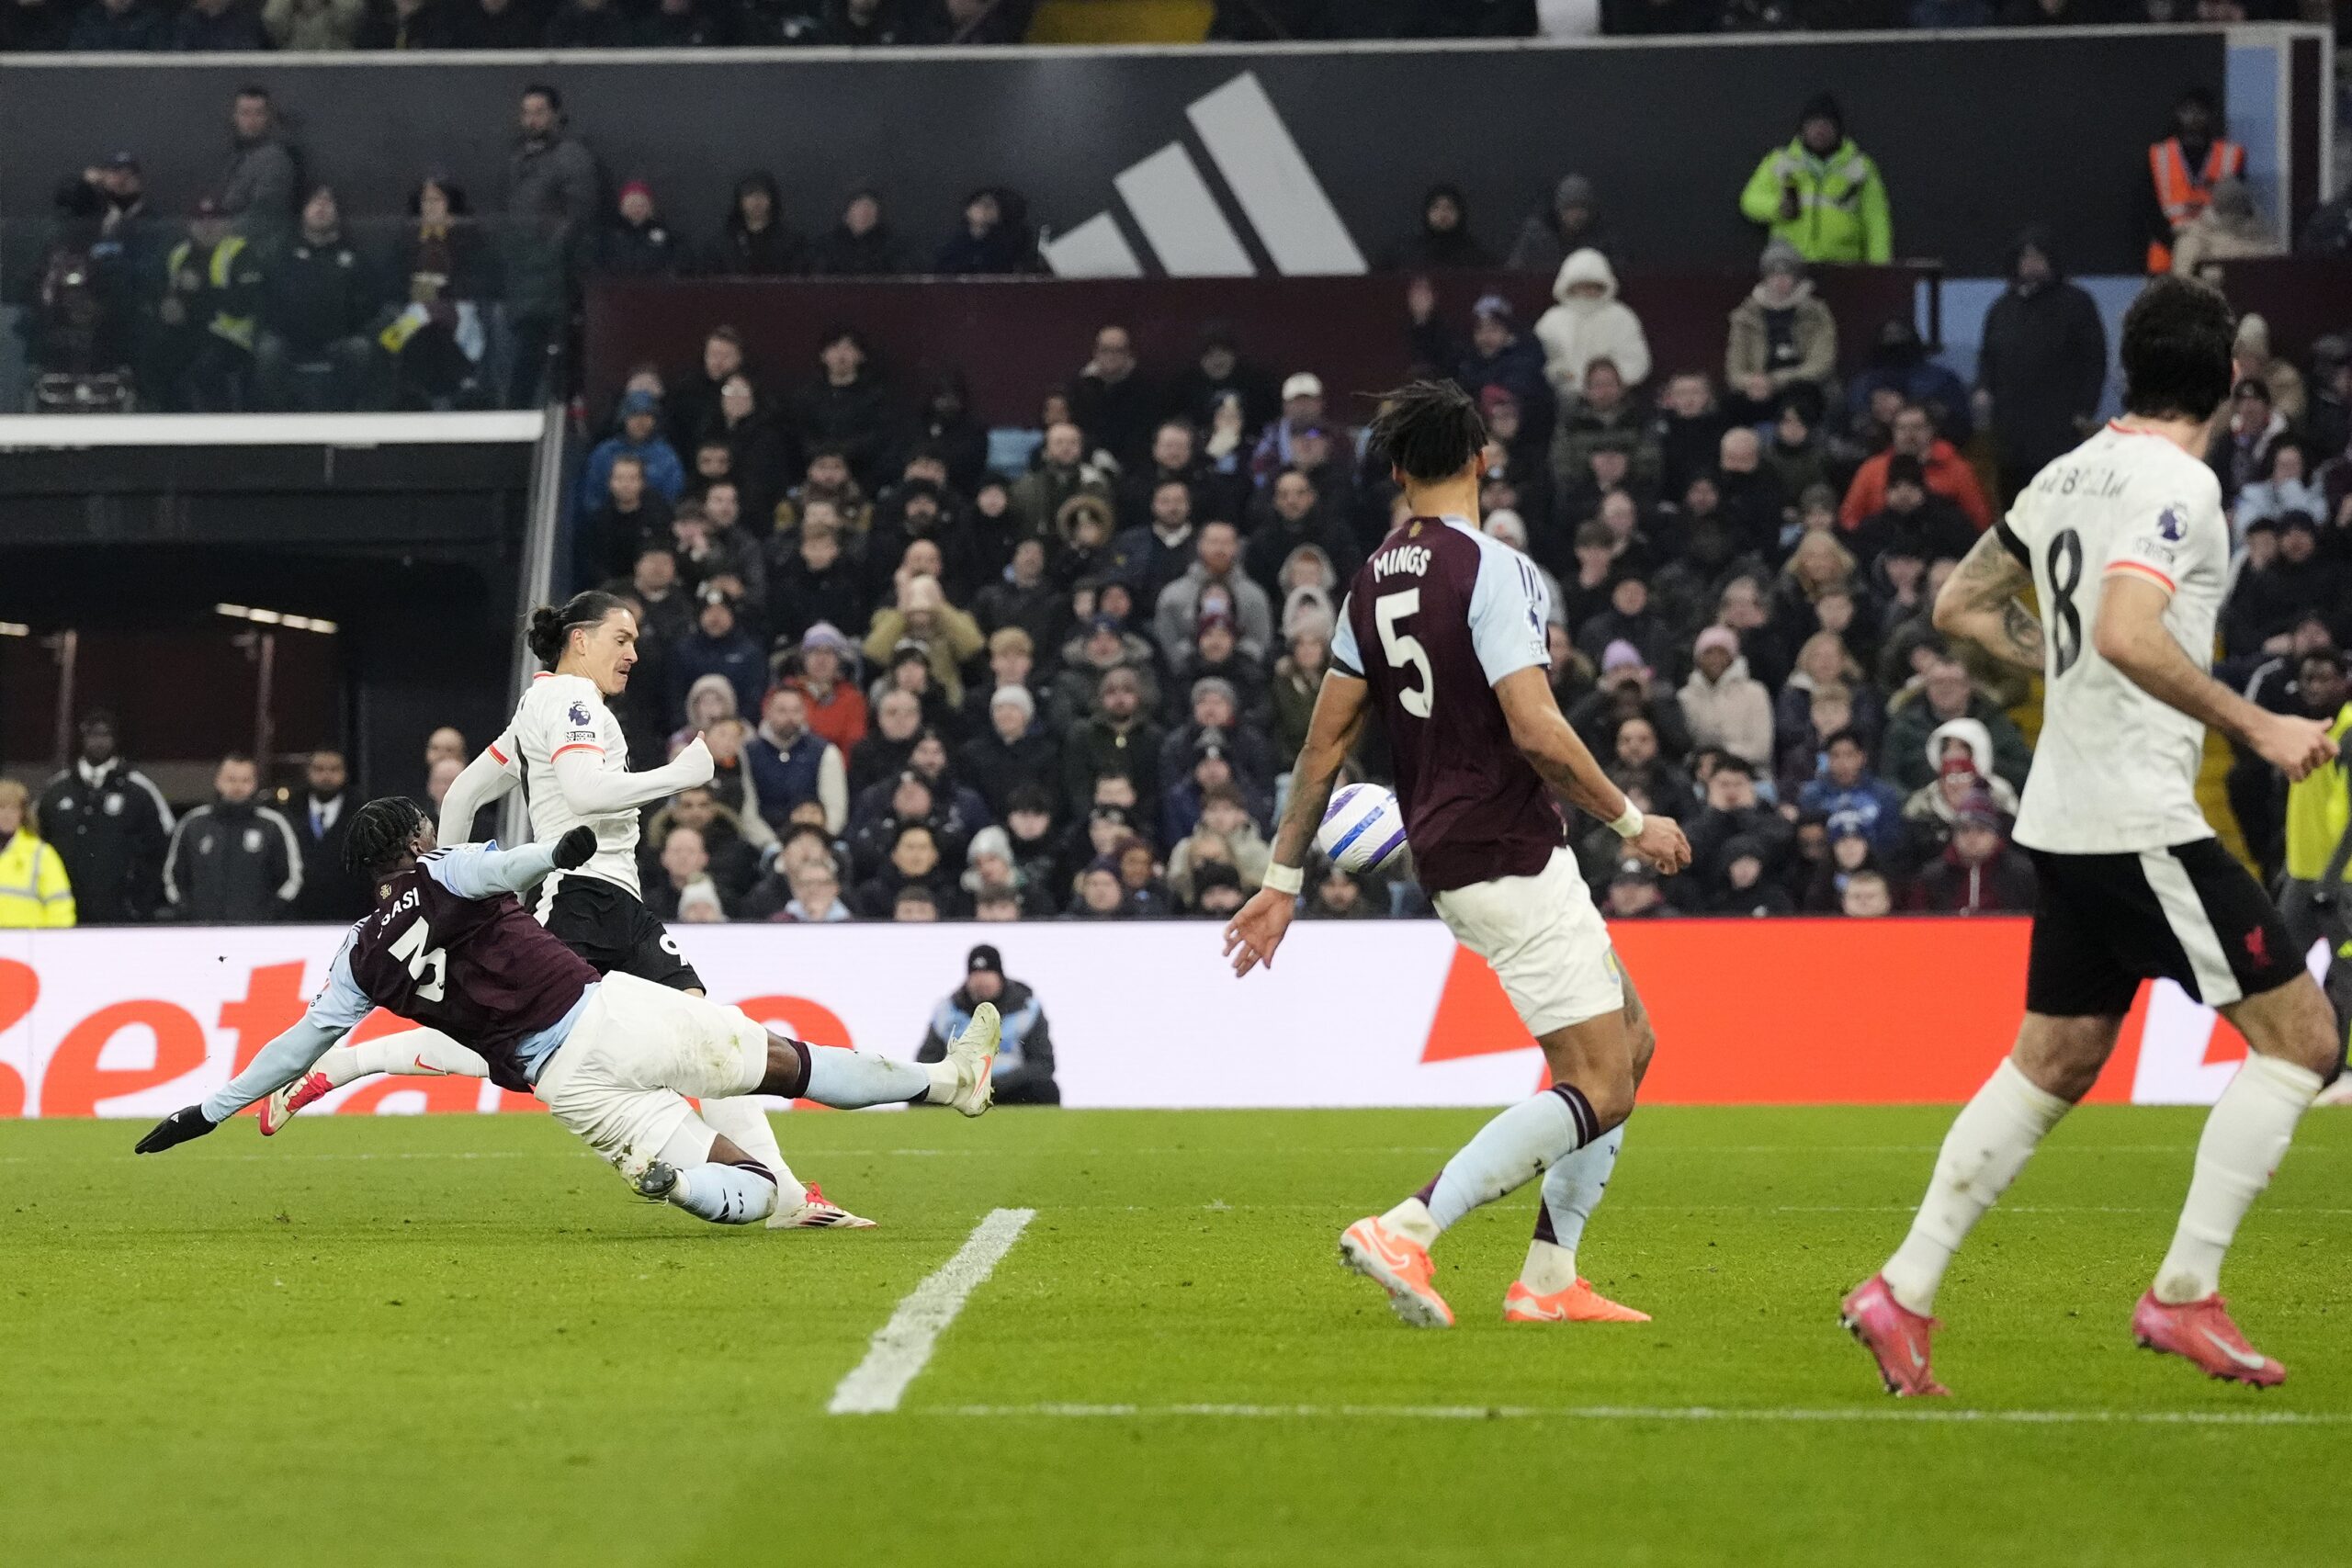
1976	136
1014	338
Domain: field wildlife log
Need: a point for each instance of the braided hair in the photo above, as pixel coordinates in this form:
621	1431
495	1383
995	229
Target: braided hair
552	626
381	832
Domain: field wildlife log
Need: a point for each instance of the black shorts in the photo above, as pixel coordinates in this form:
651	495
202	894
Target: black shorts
2190	913
617	933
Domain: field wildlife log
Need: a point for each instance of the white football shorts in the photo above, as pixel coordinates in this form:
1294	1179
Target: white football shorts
622	1077
1545	940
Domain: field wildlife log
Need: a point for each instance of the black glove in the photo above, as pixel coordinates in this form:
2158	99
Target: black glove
576	848
187	1123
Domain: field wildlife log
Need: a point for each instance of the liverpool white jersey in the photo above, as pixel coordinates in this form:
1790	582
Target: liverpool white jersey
2115	770
561	714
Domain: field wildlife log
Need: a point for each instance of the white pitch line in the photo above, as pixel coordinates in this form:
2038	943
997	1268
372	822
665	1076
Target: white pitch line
902	1347
1901	1413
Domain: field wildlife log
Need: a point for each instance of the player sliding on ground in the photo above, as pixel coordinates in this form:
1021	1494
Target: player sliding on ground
1443	627
613	1057
564	737
2127	549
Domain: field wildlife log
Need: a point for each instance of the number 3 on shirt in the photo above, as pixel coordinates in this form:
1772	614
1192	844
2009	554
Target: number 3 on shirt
410	949
1404	648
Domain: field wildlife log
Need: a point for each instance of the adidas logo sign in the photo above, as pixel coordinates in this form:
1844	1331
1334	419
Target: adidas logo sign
1183	226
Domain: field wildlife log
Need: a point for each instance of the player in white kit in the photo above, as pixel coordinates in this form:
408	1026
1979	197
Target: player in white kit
567	747
2125	544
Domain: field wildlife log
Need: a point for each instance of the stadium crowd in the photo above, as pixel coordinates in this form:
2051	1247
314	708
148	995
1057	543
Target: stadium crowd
214	25
260	292
1073	686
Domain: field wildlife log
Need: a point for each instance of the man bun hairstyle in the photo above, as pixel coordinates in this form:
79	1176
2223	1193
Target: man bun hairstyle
1428	430
381	832
552	626
2178	340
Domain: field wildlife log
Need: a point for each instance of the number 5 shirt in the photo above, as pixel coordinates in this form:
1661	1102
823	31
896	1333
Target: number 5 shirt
1434	618
2115	771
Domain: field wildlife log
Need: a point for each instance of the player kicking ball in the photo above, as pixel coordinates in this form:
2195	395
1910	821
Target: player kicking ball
2127	549
613	1057
1443	628
565	740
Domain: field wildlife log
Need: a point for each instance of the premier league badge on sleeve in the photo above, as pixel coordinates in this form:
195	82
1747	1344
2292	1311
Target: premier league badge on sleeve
2172	523
581	720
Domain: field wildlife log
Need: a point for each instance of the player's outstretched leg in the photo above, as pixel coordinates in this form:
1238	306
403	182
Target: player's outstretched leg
2292	1033
410	1052
2054	1065
846	1079
1592	1091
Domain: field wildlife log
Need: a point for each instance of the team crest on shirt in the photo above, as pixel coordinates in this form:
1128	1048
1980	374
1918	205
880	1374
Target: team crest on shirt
580	714
2171	524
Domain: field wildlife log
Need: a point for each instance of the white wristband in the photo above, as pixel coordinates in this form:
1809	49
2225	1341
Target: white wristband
1284	879
1630	825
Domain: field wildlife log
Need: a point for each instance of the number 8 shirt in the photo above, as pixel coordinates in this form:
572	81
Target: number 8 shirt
2115	770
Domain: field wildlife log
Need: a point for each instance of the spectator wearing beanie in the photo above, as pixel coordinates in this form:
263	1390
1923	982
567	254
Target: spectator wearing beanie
1216	710
1723	704
1979	873
637	243
1741	885
1589	322
1011	752
827	677
1570	224
1821	193
923	616
1782	335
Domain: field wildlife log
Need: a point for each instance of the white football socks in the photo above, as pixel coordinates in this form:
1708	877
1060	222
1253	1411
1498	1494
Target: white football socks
409	1053
848	1080
1510	1151
725	1194
1989	1143
743	1121
1571	1189
2245	1139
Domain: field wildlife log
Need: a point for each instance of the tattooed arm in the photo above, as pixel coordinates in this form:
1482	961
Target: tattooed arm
1980	601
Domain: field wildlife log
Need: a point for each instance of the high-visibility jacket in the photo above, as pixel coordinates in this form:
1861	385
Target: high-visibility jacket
2319	810
1841	203
33	888
228	282
2183	190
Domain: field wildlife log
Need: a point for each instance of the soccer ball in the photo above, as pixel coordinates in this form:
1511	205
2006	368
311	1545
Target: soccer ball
1363	829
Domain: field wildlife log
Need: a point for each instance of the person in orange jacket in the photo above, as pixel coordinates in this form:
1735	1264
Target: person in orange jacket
2183	169
1948	473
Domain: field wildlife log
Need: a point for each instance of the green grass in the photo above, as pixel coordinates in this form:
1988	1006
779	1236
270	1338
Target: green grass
455	1340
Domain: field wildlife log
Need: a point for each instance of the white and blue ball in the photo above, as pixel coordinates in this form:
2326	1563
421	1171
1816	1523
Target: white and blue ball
1363	829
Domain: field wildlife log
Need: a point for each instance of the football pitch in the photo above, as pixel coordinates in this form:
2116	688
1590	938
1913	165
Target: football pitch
458	1340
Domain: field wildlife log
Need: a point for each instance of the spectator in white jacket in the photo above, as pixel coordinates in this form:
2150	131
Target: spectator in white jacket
1589	322
1723	704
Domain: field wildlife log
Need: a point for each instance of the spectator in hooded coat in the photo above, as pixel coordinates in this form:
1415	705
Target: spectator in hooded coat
1899	364
1723	704
640	437
1979	873
1571	223
2042	368
1443	238
1589	322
